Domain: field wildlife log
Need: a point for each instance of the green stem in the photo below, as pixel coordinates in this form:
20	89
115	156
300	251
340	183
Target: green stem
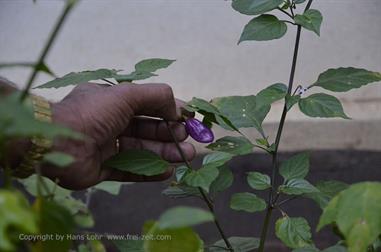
69	5
274	171
205	197
265	227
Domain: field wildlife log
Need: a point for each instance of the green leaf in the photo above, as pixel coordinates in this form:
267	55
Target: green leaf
299	1
247	202
311	20
200	104
59	159
296	167
136	75
223	181
271	94
181	191
112	187
293	232
210	112
30	185
344	79
202	177
322	105
258	180
180	216
178	239
152	65
234	145
181	171
255	7
357	213
129	245
239	244
264	27
84	219
216	159
79	78
242	111
142	162
54	219
297	187
15	217
327	190
291	101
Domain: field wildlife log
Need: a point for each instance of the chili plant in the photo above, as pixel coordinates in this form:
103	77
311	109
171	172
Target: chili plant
357	222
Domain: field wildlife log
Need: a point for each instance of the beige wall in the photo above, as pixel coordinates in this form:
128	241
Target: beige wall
202	35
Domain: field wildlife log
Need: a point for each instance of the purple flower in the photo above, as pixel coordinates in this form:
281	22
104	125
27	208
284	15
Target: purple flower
198	131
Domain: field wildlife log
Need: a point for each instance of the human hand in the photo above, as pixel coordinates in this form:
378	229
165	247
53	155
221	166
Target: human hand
106	113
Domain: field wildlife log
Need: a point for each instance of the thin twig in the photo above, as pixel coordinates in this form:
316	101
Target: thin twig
69	5
286	21
108	81
285	12
205	197
286	200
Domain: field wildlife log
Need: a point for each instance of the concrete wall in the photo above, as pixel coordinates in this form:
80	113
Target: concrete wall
202	35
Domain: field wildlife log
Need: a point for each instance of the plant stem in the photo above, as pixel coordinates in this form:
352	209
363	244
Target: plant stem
264	229
69	5
274	171
205	197
285	12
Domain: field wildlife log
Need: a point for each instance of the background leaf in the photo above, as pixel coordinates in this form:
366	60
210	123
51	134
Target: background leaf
182	239
182	216
142	162
344	79
181	191
291	101
311	20
247	202
135	75
358	220
258	180
53	219
202	177
296	167
15	217
262	28
129	245
153	64
223	181
327	190
297	187
242	111
78	78
234	145
59	159
293	232
111	187
322	105
255	7
271	94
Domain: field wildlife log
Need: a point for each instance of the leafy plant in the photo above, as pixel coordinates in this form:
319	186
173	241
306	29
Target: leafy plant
54	209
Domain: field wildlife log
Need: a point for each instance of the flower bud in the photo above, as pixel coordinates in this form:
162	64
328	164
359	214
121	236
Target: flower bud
198	131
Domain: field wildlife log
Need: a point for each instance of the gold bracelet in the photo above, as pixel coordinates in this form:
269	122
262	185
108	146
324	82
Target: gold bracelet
40	146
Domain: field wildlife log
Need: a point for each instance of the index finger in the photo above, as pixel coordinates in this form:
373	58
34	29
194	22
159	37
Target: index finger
155	100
